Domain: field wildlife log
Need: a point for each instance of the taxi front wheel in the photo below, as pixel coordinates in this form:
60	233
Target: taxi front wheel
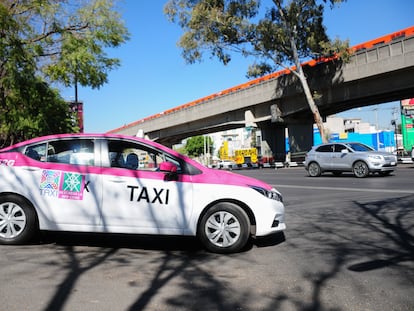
17	220
224	228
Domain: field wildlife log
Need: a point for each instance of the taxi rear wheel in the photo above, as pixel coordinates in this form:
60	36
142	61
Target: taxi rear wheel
17	220
224	228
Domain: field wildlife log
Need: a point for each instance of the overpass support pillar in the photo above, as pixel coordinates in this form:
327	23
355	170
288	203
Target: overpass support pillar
274	135
273	140
300	140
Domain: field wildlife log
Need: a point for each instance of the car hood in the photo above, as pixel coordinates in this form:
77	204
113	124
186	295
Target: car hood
384	154
215	176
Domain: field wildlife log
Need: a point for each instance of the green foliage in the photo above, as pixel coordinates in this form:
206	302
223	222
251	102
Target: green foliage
47	41
33	110
282	34
266	34
197	145
28	106
82	38
181	150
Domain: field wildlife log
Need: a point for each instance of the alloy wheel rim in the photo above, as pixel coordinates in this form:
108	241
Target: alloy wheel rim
360	170
12	220
222	229
313	169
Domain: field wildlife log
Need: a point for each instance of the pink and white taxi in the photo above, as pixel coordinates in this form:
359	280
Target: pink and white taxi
121	184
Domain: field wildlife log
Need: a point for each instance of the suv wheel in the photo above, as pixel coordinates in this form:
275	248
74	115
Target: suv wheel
360	169
314	169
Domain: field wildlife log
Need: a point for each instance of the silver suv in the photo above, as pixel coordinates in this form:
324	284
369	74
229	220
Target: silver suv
348	157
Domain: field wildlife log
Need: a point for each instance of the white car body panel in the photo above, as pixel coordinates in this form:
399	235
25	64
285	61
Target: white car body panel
98	198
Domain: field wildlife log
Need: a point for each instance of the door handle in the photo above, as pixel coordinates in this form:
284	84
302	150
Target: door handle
118	180
31	169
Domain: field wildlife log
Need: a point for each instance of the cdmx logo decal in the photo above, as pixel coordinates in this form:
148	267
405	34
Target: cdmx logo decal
63	185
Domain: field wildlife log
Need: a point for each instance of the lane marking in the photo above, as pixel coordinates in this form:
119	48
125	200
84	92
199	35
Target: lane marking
345	189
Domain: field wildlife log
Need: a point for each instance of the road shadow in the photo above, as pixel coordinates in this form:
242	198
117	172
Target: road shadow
146	242
175	258
130	241
371	235
353	237
393	223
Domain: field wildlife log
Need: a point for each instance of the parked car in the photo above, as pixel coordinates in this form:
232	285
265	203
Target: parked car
227	165
348	157
403	156
121	184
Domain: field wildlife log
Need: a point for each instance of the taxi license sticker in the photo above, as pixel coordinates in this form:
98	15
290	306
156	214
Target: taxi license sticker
62	185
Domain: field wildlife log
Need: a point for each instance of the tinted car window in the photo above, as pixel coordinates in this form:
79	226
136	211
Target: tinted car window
76	151
360	147
37	152
339	147
129	155
69	151
325	148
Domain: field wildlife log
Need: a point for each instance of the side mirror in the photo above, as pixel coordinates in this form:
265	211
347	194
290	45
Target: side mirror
344	151
168	167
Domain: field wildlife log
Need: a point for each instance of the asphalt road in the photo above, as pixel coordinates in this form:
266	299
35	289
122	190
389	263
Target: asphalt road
349	245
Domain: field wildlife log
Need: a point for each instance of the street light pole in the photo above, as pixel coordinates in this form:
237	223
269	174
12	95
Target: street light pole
377	130
394	122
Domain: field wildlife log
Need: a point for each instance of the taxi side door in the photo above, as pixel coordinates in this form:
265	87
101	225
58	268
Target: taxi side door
137	196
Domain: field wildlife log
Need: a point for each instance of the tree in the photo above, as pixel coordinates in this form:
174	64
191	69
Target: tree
198	145
33	109
51	41
282	35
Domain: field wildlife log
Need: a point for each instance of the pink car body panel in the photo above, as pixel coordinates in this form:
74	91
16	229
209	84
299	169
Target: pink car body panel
209	176
206	187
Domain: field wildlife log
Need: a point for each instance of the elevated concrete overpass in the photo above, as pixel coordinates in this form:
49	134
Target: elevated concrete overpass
380	71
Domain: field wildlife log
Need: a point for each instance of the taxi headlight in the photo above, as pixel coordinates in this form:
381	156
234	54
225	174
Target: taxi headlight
270	194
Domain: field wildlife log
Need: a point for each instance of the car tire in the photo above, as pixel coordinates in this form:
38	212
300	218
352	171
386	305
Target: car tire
314	169
224	228
360	169
18	222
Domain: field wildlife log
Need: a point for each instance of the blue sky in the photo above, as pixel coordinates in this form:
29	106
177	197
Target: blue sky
153	76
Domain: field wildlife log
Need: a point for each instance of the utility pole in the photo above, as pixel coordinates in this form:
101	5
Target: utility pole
377	129
394	122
